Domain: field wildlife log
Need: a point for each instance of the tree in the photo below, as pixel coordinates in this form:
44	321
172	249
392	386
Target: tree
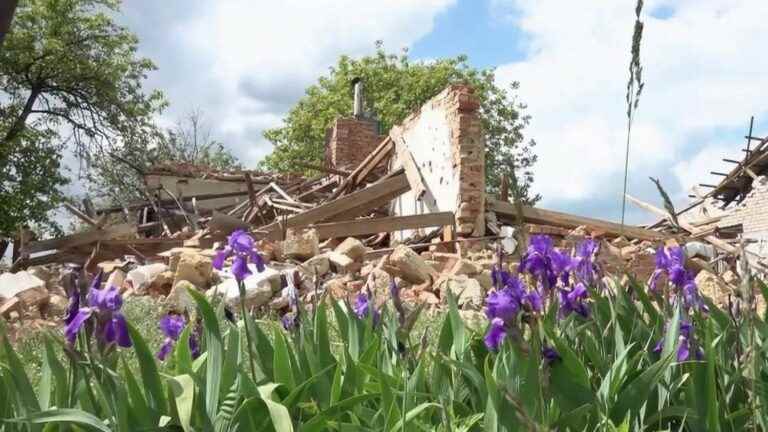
395	86
190	141
69	79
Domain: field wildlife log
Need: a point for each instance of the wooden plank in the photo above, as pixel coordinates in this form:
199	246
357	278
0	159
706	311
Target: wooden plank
282	192
412	171
198	197
249	186
360	227
225	223
541	216
361	201
374	159
381	252
79	214
319	188
323	169
82	238
365	167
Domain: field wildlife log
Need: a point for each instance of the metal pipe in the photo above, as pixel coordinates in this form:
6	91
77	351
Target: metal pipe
357	107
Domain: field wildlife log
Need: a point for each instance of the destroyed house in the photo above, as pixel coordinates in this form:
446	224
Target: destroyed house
420	184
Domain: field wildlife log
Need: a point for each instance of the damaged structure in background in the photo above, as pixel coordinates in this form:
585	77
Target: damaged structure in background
410	204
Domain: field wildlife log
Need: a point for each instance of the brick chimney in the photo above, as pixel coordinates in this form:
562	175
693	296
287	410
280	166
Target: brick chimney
351	139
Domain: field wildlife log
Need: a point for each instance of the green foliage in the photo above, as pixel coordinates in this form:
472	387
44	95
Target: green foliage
339	372
395	86
69	78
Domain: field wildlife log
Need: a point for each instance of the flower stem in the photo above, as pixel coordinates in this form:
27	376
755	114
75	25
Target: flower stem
244	312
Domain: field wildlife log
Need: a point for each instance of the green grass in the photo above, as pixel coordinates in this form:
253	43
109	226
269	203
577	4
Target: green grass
143	312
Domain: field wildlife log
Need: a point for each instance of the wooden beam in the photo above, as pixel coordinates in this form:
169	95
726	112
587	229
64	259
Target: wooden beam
319	188
82	238
750	173
376	158
79	214
717	173
711	239
365	167
250	187
199	197
360	227
541	216
412	171
282	192
323	169
357	202
732	161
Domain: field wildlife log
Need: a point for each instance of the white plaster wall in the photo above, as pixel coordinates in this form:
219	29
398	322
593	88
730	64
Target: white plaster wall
428	137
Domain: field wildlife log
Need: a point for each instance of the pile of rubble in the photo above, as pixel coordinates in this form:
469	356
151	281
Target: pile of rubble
410	205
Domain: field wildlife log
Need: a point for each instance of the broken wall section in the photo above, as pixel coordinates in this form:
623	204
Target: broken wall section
446	142
752	214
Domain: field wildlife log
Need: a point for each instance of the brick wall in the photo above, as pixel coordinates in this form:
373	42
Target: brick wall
752	213
349	141
446	141
468	148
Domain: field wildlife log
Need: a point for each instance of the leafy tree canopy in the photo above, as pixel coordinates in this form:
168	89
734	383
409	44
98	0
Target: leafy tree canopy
70	78
394	87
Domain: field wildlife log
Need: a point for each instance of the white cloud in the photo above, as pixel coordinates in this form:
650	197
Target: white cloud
692	171
703	73
253	59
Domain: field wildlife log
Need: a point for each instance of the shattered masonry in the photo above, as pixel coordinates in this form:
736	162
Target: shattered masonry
409	205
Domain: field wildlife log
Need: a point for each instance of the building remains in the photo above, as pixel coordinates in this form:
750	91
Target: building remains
410	204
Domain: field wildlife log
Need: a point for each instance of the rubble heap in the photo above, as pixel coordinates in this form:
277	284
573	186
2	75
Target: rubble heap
412	207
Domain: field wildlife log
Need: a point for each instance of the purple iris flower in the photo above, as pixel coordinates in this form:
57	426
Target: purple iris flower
562	263
584	261
194	340
74	298
241	245
534	301
686	343
670	262
104	306
363	307
171	326
549	355
573	300
497	332
289	321
503	304
546	263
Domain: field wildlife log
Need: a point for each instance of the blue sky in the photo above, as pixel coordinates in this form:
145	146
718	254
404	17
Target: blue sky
478	29
245	63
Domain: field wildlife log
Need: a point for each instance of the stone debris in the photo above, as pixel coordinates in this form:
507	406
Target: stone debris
468	291
194	268
141	277
259	289
301	244
404	263
409	207
352	248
